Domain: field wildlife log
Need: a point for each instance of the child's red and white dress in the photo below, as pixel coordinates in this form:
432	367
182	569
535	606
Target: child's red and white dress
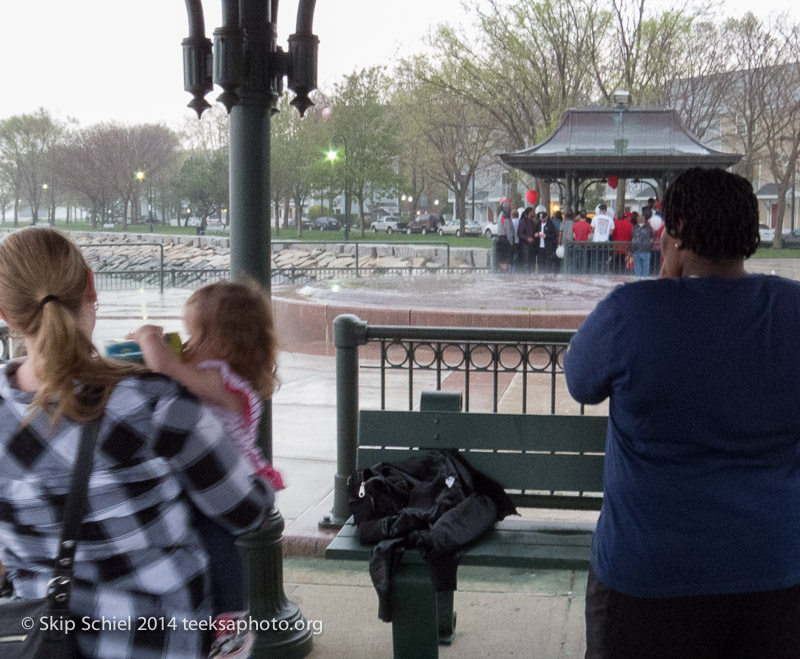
233	640
244	427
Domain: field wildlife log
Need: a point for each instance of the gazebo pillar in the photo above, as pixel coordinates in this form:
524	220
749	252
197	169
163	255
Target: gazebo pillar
570	196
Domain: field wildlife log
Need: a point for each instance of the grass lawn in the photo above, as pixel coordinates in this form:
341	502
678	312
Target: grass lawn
772	253
369	237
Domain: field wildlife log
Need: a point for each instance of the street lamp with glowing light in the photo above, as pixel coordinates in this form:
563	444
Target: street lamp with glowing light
333	155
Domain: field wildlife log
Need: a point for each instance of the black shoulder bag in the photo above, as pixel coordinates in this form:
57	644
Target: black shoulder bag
22	634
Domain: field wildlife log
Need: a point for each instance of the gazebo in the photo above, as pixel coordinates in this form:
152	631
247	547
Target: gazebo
629	143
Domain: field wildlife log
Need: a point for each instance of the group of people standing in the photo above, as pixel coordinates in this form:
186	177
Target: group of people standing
528	240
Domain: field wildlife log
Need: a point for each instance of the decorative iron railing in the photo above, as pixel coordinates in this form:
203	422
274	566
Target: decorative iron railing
498	370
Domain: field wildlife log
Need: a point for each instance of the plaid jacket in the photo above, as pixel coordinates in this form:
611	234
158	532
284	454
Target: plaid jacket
139	561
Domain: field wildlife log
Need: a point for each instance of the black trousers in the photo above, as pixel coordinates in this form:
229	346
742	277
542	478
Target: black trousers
764	625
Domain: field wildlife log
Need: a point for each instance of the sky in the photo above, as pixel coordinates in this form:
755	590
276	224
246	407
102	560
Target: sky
103	60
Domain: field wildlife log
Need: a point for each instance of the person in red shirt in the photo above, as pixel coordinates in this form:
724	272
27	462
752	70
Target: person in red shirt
623	230
581	231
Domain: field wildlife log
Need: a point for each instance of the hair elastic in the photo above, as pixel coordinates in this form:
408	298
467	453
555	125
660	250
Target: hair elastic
48	298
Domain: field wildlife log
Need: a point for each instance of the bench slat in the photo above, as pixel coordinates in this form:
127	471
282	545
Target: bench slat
518	471
507	544
515	432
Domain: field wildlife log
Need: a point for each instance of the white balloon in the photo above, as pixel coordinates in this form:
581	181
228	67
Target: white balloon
560	251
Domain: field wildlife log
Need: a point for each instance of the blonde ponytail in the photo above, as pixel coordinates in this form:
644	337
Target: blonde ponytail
44	280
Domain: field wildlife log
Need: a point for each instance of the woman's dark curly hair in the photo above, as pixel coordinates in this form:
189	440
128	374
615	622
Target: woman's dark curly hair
713	213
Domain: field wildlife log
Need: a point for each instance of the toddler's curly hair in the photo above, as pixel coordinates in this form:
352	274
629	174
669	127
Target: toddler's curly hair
234	321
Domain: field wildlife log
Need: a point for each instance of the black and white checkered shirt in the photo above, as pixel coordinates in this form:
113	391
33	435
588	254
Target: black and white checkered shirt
159	451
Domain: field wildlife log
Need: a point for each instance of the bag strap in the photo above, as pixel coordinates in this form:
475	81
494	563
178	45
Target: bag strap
60	584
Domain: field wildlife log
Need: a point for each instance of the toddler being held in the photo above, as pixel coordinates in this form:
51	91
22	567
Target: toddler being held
229	363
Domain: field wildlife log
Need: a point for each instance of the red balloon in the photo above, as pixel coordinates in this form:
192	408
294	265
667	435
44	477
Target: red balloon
531	197
613	182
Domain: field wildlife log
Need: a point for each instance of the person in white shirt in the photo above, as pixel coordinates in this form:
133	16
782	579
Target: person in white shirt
655	221
602	225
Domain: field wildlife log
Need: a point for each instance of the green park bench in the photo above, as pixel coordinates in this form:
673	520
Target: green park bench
543	461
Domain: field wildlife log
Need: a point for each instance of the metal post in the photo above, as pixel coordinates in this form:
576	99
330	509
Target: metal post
571	207
161	267
249	67
794	195
349	332
343	139
346	196
473	197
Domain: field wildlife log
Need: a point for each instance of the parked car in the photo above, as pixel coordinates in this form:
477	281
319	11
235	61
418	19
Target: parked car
791	240
389	224
490	229
767	234
326	223
424	224
453	227
305	222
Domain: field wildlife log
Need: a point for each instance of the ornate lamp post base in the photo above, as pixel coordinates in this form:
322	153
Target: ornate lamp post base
283	632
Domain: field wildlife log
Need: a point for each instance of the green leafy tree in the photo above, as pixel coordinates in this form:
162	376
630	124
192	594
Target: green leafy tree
298	147
361	115
527	66
203	183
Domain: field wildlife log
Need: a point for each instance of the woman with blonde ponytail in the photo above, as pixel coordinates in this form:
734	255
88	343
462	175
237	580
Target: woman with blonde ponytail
158	448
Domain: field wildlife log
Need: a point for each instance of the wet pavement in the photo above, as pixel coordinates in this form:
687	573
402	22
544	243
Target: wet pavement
501	612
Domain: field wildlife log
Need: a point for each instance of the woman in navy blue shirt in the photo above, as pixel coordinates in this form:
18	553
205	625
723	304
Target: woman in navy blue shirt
697	548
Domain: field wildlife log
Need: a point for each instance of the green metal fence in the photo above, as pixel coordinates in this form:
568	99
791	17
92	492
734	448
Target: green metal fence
477	358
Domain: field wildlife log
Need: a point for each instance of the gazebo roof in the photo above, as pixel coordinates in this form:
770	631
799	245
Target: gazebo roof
619	141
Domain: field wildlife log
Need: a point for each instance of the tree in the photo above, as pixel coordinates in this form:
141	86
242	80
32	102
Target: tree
209	133
9	184
86	160
698	84
29	141
780	112
527	68
360	113
203	183
637	50
298	146
144	147
101	163
458	134
752	60
6	195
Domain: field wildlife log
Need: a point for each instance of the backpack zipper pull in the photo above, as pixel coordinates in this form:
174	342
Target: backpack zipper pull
362	491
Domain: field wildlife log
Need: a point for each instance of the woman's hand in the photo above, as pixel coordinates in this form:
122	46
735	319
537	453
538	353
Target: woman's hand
158	356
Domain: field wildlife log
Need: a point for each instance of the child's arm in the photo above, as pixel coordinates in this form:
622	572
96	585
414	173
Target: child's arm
206	384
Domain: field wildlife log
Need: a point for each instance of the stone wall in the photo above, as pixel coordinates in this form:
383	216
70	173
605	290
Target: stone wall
213	252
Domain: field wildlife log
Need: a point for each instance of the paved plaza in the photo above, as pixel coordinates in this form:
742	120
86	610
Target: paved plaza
501	612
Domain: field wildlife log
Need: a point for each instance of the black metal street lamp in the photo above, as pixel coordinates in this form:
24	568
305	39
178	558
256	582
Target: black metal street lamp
249	66
332	155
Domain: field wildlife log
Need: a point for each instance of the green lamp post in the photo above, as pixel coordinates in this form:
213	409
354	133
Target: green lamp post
249	66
